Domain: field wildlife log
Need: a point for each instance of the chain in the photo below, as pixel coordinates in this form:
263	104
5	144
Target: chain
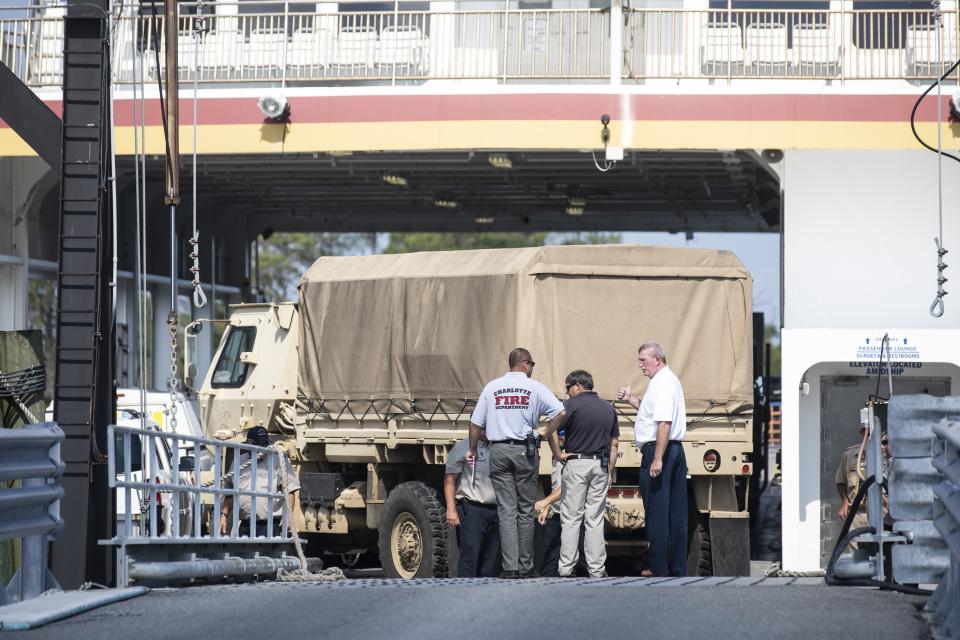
174	382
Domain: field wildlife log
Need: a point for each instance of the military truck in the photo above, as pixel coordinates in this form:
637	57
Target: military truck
371	377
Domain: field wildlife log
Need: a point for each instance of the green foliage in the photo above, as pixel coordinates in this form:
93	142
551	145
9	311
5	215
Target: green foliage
286	256
407	242
588	237
771	335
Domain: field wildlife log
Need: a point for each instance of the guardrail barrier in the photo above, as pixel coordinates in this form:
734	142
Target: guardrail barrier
30	456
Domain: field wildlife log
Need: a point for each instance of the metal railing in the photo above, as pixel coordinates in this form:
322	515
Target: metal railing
281	45
789	44
945	602
170	511
31	511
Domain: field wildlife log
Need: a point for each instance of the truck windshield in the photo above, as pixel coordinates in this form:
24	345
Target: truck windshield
230	371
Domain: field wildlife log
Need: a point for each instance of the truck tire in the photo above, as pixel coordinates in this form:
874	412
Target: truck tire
699	554
413	533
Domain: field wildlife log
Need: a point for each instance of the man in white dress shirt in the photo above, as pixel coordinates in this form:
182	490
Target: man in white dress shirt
660	427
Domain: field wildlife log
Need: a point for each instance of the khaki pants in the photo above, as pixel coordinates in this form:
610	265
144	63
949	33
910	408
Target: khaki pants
582	503
859	520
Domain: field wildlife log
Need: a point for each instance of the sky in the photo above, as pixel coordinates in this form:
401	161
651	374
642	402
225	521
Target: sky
759	252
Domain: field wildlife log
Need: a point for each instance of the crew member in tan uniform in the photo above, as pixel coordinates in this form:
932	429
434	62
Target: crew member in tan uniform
849	479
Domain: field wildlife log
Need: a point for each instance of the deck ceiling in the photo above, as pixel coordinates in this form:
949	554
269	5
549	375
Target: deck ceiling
673	191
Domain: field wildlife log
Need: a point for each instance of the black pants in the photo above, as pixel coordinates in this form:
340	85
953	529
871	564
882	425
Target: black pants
244	528
551	549
665	504
478	537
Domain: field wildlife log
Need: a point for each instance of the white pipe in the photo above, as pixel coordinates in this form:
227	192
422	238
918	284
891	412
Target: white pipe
113	174
138	296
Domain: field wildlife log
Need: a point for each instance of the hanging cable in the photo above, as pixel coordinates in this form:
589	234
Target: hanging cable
143	224
199	299
112	46
137	273
936	307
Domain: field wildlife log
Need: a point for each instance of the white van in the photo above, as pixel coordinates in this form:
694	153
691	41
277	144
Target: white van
159	410
140	506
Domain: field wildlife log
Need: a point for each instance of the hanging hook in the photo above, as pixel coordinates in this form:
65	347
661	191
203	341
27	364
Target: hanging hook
199	299
936	307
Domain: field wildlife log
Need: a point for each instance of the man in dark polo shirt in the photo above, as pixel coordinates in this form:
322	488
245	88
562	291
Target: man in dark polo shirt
592	435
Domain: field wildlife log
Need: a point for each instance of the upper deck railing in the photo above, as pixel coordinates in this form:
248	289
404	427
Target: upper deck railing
283	46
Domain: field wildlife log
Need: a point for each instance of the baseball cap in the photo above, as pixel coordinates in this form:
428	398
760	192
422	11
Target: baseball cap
258	436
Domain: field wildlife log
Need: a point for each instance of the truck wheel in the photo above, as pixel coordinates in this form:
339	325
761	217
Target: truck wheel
699	555
413	533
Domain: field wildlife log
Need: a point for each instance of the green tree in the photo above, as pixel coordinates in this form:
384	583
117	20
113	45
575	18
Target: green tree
407	242
771	336
588	237
284	257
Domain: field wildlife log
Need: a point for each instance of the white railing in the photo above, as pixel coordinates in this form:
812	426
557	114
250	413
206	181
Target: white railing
747	44
285	46
383	46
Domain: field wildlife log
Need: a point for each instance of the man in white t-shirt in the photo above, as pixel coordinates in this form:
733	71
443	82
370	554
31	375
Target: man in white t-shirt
508	411
659	430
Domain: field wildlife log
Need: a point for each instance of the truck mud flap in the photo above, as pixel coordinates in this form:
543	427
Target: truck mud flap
730	544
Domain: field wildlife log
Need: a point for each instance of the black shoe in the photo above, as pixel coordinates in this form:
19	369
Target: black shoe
528	575
510	575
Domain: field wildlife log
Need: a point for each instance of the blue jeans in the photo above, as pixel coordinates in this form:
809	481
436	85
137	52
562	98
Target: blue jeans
665	504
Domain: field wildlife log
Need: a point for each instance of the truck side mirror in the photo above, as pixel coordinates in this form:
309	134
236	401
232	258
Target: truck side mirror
190	368
136	452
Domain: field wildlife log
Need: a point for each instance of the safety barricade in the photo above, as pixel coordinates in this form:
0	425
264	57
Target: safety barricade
169	527
31	511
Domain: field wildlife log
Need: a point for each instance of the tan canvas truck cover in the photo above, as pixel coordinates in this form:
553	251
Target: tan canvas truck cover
414	331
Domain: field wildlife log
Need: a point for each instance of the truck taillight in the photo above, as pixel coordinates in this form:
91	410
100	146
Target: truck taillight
746	469
711	460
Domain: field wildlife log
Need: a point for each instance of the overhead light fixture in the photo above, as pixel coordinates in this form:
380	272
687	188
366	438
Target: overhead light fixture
577	202
484	219
445	204
500	161
274	106
397	181
574	211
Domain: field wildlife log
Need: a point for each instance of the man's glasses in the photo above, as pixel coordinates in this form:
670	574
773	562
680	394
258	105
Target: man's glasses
883	442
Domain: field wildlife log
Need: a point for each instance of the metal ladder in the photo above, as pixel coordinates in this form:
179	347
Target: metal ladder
83	386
